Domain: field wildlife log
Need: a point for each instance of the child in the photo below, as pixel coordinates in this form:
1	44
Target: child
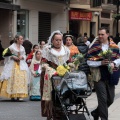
35	68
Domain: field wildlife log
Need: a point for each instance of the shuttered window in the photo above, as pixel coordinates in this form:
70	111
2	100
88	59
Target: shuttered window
44	26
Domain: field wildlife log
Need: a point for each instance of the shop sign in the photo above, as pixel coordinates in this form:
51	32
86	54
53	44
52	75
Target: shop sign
80	15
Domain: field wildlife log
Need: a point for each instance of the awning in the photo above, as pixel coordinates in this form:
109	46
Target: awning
9	6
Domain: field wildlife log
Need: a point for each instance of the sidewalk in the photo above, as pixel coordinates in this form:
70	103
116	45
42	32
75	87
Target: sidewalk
114	110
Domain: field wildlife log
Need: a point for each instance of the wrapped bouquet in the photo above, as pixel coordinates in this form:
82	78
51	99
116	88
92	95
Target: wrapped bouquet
107	54
7	52
78	59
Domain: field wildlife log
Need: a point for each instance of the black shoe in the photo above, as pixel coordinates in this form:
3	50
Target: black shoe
95	116
93	90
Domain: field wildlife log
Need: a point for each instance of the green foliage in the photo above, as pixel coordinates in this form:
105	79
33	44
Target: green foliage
116	16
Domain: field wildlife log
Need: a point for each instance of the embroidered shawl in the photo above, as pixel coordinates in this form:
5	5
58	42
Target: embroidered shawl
93	52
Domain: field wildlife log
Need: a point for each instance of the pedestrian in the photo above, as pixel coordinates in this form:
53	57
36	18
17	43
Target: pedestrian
42	44
15	75
54	54
91	38
85	39
104	80
27	45
30	55
35	68
70	45
79	38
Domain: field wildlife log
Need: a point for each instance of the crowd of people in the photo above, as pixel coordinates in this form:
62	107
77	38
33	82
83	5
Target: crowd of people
28	72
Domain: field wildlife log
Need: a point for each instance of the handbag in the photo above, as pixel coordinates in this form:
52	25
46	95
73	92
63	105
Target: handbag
95	73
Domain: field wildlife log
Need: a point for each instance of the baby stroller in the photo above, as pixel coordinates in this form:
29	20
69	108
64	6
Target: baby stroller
69	95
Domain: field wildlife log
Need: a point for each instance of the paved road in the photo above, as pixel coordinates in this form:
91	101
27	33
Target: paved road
27	110
30	110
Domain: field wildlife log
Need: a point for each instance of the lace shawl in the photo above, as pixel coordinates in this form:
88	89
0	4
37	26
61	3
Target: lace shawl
59	59
9	63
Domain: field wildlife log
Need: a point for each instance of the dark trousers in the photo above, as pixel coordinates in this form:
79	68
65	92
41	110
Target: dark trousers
105	95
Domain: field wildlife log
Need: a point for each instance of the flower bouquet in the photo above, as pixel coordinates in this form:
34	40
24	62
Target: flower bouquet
107	54
78	60
7	53
62	69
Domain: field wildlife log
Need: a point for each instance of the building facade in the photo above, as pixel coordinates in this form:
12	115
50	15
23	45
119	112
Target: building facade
6	23
35	20
88	20
106	16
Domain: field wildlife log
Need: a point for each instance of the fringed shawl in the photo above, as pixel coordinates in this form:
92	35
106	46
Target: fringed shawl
93	52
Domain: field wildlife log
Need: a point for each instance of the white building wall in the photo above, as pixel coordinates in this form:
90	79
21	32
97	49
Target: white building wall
33	26
58	16
59	22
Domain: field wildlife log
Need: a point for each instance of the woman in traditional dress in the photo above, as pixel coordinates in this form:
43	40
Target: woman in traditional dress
15	75
30	56
35	68
54	54
42	44
69	43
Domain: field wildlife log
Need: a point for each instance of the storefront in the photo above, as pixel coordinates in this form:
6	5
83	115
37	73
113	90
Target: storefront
81	21
37	19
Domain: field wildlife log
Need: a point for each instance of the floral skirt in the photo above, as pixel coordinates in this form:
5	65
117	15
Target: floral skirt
16	86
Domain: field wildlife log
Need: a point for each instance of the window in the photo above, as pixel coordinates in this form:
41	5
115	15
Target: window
105	15
22	23
44	26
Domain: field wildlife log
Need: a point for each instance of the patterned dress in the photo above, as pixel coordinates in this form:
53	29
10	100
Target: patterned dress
15	75
35	68
51	59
